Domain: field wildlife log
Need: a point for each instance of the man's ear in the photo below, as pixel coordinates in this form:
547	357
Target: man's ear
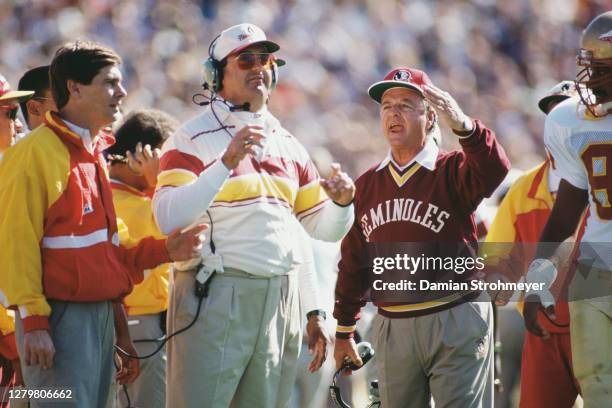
33	108
74	88
432	117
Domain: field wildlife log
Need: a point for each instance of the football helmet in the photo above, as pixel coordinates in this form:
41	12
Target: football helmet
594	80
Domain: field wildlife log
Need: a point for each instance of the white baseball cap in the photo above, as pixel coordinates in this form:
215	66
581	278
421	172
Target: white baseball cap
238	37
10	97
558	93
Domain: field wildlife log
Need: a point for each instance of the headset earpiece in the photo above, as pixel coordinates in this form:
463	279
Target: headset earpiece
212	70
213	75
274	75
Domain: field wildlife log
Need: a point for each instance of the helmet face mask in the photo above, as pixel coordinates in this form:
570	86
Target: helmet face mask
594	80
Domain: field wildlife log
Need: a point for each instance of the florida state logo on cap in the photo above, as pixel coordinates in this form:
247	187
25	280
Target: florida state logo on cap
402	75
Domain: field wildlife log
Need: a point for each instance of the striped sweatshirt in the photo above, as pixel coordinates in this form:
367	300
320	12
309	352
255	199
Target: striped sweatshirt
251	207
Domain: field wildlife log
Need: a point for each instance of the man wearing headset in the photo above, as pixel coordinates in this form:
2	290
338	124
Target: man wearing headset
236	168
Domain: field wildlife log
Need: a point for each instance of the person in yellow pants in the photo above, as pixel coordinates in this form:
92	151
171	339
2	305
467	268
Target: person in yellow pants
133	171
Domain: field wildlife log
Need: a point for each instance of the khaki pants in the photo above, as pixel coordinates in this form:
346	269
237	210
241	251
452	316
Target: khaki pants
244	346
446	355
591	338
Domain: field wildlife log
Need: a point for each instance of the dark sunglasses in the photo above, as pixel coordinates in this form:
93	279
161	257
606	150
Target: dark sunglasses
248	60
12	112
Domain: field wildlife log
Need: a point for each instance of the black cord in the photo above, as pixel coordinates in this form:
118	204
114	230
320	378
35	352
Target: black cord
212	229
124	386
214	98
164	339
127	396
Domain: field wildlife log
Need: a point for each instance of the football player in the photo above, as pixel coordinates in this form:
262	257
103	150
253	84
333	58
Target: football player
578	134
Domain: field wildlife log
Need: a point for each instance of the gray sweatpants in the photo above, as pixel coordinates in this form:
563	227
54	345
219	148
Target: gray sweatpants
244	346
82	335
446	355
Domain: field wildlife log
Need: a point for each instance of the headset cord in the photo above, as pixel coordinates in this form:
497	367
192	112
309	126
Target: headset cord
201	294
124	387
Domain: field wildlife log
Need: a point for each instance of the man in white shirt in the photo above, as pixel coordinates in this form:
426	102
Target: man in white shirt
236	168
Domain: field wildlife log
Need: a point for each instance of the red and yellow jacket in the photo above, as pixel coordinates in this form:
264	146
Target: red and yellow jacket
58	226
520	218
134	210
8	348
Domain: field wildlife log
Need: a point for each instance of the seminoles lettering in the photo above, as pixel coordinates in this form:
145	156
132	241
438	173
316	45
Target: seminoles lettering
403	209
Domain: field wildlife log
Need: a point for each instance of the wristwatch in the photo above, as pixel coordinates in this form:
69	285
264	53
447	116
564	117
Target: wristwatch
317	312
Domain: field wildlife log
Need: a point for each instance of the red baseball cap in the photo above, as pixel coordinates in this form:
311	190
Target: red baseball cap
400	78
8	97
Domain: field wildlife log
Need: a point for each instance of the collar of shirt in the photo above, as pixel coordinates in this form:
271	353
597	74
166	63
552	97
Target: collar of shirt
426	157
88	142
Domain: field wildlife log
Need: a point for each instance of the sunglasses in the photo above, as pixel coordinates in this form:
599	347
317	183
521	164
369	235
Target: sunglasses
248	60
12	111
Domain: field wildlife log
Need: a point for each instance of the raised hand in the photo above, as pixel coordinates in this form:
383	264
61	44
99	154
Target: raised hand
448	108
243	143
339	186
145	162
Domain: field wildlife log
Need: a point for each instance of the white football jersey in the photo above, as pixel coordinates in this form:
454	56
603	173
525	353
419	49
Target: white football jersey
581	148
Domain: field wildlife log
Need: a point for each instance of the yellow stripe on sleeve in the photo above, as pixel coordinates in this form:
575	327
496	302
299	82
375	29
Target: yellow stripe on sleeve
309	196
424	305
175	178
345	329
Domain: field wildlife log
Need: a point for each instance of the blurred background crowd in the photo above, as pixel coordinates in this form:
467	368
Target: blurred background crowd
497	57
